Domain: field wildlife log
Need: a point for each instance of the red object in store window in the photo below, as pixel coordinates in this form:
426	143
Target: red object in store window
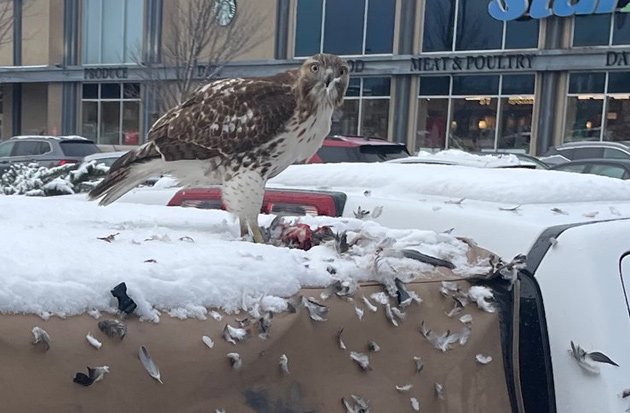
131	138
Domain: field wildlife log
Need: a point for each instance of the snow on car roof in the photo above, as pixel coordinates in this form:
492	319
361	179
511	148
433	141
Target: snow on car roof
457	157
413	181
54	264
104	155
68	137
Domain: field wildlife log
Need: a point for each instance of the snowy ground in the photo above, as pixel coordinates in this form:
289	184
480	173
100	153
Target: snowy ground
52	262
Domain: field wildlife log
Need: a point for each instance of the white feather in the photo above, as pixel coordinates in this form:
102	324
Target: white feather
149	364
93	342
369	304
481	359
41	336
415	404
207	341
359	312
404	388
284	364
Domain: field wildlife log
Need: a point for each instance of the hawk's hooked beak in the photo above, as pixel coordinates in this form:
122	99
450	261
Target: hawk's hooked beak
329	79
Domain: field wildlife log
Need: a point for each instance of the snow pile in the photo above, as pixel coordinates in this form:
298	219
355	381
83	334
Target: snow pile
183	261
35	180
413	181
468	159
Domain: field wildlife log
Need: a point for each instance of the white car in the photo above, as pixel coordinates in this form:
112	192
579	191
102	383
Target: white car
572	228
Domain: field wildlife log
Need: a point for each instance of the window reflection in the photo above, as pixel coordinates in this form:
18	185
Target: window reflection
345	120
591	30
439	20
343	28
476	29
473	123
431	127
375	117
365	110
516	123
522	33
621	31
309	24
584	118
617	118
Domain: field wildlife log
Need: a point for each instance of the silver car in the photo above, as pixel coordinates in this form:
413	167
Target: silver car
47	151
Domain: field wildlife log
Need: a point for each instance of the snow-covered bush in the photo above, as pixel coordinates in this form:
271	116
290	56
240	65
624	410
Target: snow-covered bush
35	180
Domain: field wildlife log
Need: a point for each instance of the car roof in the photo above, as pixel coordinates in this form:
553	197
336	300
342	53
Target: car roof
345	140
47	137
606	144
458	157
610	161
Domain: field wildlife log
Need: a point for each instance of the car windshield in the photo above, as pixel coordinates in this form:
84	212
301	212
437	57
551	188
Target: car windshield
365	153
78	148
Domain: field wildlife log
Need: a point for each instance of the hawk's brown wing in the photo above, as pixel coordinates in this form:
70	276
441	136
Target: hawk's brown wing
225	118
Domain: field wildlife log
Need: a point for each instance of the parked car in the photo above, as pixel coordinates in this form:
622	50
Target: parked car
572	228
574	151
522	156
613	168
47	151
358	149
104	158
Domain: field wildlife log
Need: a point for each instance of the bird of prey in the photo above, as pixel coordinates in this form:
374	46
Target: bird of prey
237	133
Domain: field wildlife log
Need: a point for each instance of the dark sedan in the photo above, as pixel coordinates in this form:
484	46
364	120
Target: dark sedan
613	168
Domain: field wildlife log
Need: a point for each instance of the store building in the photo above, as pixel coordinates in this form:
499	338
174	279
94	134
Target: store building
472	74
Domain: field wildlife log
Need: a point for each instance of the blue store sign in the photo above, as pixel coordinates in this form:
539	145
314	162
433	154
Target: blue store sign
506	10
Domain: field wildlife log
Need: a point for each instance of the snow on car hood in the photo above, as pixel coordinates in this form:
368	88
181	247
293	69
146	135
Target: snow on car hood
516	186
180	260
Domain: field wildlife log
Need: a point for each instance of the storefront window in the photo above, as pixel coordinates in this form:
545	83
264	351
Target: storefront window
602	29
365	110
476	113
453	25
598	107
112	31
111	113
344	27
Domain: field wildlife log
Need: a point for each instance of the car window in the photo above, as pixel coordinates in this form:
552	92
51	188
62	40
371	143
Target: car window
571	167
608	170
587	153
613	153
5	148
566	152
75	148
30	148
365	153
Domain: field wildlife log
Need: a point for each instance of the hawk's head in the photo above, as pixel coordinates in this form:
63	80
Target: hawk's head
323	78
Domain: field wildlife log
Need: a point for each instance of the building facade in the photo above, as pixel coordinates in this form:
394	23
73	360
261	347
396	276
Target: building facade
478	75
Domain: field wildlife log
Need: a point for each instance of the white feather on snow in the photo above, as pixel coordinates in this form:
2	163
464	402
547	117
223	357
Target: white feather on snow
53	263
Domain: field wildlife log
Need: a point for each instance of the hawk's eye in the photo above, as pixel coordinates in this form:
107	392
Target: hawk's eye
314	67
343	71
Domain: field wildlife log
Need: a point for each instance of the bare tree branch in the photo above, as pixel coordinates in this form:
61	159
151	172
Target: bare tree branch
195	47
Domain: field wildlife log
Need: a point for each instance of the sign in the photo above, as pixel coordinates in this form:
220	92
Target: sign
615	59
104	73
356	65
506	10
518	61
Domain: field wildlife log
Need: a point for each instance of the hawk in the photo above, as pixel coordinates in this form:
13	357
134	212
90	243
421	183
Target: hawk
237	133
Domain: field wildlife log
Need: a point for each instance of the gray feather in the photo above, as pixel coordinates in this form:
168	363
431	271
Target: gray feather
149	364
427	259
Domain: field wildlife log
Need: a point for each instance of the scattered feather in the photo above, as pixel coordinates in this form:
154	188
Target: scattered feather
264	325
592	214
481	295
380	298
113	328
373	347
93	341
625	393
399	314
367	193
369	304
82	379
377	211
361	213
207	341
109	238
458	202
390	315
284	364
415	404
553	241
316	311
357	405
559	211
361	359
405	388
151	260
587	360
359	312
427	259
41	337
446	340
149	364
232	334
340	342
466	319
439	391
510	209
235	360
403	296
481	359
97	373
186	238
217	316
419	363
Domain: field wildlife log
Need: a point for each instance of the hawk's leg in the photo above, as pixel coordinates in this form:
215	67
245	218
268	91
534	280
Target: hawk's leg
243	196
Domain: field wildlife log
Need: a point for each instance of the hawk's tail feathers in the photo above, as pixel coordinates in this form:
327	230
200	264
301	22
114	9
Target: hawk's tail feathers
127	172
